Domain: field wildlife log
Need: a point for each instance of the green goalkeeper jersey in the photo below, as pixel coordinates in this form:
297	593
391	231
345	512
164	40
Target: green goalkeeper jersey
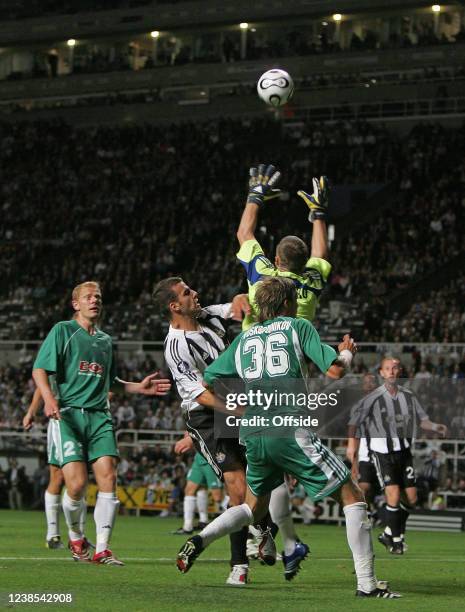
82	364
309	284
271	358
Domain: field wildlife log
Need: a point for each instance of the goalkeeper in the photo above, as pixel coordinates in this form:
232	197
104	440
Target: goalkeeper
309	273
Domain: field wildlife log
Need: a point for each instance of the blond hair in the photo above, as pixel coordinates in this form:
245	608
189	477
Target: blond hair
77	290
389	358
272	295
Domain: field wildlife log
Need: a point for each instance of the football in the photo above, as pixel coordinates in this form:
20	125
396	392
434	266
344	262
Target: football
275	87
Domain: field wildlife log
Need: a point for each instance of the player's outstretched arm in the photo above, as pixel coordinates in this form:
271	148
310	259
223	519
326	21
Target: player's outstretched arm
318	203
33	409
261	188
151	385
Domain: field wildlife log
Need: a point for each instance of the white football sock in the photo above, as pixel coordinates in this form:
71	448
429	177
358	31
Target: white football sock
189	511
52	514
281	515
83	516
230	521
202	505
358	529
72	512
104	517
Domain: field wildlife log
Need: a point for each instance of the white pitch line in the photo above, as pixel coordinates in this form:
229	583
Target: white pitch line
172	559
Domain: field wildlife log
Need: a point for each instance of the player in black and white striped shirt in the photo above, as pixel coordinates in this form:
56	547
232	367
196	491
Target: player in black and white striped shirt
195	339
387	418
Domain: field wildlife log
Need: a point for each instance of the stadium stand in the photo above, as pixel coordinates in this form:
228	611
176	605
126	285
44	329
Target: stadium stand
123	191
136	203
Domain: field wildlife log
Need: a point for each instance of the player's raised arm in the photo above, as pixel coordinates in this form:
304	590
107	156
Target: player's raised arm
318	202
261	188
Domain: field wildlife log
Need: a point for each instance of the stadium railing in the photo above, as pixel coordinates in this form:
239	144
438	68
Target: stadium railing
133	438
12	351
21	442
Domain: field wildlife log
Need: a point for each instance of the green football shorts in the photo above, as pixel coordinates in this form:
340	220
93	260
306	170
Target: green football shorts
202	474
83	435
303	456
52	458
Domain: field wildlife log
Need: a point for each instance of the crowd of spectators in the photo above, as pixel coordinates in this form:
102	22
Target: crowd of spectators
128	206
263	43
129	411
439	383
312	82
439	315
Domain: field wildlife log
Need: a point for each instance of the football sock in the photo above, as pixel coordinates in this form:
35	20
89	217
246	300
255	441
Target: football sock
405	510
238	542
232	520
72	511
52	514
202	505
189	511
104	517
281	515
83	516
393	521
358	529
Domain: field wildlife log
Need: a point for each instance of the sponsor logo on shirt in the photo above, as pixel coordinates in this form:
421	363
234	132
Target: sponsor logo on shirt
90	368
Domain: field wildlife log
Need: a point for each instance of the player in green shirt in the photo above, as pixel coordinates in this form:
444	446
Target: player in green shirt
292	260
80	356
270	356
309	275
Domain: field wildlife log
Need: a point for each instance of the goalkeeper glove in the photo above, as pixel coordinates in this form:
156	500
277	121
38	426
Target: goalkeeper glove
317	201
261	184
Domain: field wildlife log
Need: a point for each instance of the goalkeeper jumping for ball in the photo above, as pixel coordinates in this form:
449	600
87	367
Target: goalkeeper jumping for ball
309	272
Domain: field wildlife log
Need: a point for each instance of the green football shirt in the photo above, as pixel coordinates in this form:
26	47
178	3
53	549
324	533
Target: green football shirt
309	284
271	358
83	365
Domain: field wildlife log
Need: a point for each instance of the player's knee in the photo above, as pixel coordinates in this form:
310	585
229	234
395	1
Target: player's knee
351	493
191	488
412	499
76	488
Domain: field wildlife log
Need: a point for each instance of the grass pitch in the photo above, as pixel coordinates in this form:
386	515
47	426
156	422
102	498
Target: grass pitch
431	576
